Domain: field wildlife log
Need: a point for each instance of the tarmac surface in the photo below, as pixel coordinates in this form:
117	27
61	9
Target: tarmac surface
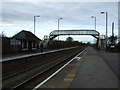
111	58
87	71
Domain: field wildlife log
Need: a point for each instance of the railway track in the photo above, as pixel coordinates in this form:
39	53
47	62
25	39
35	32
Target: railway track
30	74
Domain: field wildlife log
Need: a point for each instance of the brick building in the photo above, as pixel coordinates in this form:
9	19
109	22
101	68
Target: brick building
22	41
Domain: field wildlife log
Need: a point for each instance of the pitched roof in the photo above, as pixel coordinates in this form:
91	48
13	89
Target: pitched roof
26	35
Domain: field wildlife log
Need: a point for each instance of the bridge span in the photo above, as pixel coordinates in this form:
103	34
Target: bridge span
56	33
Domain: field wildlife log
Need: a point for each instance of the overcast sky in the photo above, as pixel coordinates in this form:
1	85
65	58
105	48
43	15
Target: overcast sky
17	16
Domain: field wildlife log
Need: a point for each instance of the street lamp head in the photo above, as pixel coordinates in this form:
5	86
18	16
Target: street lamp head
102	12
38	16
92	17
60	18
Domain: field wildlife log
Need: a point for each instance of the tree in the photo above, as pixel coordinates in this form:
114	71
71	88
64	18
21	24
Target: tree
88	43
2	34
70	39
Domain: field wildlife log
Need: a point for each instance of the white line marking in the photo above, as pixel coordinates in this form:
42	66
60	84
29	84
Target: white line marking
36	87
78	58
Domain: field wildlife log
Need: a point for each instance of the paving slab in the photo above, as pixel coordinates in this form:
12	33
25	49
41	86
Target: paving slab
111	58
94	73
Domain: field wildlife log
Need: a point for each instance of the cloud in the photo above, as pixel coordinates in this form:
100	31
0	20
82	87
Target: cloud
61	1
49	11
76	15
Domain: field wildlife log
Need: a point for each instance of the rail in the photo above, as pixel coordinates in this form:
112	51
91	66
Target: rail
29	65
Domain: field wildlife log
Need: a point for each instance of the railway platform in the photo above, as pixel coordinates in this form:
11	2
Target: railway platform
87	70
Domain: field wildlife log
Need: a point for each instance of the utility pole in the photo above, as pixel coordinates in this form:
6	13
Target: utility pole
58	28
113	33
106	13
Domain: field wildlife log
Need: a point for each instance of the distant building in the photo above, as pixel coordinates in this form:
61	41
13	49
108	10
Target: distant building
118	28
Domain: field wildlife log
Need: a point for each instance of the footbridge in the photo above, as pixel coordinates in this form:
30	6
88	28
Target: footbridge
56	33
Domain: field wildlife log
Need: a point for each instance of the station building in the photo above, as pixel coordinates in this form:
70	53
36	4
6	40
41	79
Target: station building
22	41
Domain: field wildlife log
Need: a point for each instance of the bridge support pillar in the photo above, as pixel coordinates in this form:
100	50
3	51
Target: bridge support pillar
98	42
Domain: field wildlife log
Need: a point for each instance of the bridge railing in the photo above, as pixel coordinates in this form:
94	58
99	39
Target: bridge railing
74	32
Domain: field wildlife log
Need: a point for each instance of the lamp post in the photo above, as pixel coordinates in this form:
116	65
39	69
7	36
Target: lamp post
34	21
95	21
113	33
106	13
58	27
